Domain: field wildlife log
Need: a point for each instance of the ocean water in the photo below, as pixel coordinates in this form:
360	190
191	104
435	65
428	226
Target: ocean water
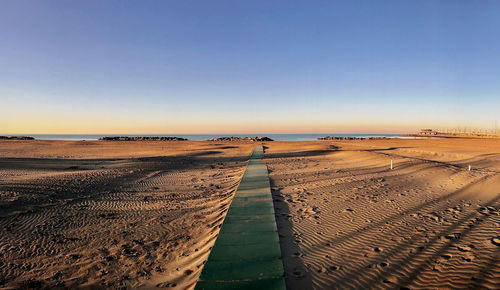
200	137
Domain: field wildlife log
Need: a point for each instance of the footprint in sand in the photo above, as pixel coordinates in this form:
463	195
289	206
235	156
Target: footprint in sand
468	257
454	236
496	241
380	265
444	258
391	280
308	211
298	274
297	254
75	256
462	248
321	270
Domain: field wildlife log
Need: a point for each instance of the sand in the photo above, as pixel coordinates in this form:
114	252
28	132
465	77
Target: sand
347	221
86	214
145	214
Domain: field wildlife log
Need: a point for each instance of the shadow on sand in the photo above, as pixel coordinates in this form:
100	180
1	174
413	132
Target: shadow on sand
296	273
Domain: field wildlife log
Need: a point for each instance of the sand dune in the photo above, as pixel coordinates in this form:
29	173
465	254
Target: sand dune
429	223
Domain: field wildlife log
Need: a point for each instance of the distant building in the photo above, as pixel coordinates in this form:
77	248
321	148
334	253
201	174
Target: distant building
428	132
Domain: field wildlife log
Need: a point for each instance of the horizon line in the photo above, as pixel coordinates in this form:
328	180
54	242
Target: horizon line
232	133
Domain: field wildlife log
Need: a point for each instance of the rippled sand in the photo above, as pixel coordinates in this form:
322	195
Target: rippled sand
112	214
347	221
145	214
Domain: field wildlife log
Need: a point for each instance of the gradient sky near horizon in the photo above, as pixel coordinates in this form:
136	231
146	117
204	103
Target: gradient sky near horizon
248	66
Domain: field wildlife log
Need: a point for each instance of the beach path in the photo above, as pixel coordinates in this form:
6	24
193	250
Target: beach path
247	253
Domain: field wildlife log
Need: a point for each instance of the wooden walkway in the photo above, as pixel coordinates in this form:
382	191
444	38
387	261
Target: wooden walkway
247	253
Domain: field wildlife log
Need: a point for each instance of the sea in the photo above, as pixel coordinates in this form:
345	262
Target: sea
200	137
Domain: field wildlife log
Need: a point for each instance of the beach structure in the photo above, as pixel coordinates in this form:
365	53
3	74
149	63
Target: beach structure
428	132
247	252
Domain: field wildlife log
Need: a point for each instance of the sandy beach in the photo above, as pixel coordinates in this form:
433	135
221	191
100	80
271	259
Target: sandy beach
101	214
112	214
276	145
347	221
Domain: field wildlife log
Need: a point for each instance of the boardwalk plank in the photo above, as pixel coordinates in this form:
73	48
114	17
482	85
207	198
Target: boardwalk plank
247	253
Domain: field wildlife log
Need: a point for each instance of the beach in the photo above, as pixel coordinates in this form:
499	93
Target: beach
348	221
276	145
132	214
112	214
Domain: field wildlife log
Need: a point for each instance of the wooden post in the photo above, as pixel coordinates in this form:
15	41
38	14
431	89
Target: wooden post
391	164
470	168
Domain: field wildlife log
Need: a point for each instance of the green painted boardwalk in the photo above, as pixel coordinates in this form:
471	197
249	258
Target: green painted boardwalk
247	253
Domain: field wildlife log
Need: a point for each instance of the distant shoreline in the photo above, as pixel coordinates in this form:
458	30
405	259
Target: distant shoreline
204	137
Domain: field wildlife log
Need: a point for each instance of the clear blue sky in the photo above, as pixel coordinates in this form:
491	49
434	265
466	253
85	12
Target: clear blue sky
248	66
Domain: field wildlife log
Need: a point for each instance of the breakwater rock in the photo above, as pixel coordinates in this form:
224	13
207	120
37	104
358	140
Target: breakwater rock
143	138
232	138
16	138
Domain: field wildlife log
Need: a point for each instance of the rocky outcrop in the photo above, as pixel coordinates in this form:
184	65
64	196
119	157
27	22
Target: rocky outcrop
330	138
232	138
16	138
142	138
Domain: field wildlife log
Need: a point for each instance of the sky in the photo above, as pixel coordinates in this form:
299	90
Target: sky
192	67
